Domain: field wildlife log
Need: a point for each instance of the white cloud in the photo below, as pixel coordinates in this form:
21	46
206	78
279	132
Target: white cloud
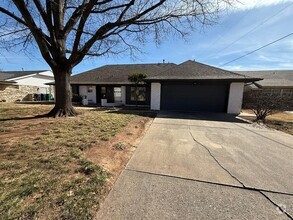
287	65
268	58
234	67
249	4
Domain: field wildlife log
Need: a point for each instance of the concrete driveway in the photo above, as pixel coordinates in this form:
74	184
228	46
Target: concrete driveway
205	166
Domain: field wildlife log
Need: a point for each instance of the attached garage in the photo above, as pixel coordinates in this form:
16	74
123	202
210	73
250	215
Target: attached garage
208	97
197	87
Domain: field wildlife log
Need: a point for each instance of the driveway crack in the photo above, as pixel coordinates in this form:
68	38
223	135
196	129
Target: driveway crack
275	204
215	159
235	178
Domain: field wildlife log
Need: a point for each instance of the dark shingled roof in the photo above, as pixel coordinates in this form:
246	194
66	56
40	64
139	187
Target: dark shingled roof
272	78
6	75
2	82
191	70
118	74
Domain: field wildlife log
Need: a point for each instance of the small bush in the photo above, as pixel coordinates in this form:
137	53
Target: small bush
263	105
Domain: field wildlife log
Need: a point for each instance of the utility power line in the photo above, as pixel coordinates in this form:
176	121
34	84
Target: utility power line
229	28
275	41
232	26
254	28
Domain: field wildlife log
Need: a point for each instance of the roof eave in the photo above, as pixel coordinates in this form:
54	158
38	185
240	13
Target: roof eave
96	83
102	83
223	79
3	82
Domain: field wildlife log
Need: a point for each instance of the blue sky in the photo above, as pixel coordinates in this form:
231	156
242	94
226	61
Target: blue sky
269	20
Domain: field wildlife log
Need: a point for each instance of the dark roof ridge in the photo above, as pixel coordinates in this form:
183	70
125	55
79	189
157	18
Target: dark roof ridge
136	64
119	65
192	70
214	67
119	72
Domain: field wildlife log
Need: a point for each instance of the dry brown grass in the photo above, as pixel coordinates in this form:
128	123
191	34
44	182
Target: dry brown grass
282	121
45	166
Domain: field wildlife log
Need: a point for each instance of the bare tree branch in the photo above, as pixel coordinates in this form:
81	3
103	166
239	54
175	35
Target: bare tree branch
107	27
13	32
10	14
40	37
42	13
72	21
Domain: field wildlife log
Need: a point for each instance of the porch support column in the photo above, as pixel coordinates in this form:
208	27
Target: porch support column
155	96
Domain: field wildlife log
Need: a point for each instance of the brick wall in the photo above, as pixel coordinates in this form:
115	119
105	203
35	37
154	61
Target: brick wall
286	96
14	93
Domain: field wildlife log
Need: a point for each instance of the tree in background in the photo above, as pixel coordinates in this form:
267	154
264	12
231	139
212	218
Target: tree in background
137	78
66	31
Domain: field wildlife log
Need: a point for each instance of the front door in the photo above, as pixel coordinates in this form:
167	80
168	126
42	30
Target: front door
110	94
99	94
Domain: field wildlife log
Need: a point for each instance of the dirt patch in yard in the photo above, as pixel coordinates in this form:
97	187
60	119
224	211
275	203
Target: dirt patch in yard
114	154
282	121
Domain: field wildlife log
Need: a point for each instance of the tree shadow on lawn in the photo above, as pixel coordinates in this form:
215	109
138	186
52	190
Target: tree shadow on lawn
24	118
131	111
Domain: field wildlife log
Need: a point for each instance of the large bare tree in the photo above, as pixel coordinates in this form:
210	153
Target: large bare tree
66	31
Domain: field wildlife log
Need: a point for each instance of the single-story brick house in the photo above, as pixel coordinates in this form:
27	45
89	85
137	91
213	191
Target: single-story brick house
190	86
275	82
22	85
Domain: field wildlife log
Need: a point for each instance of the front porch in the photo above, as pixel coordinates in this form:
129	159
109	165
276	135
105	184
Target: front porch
112	95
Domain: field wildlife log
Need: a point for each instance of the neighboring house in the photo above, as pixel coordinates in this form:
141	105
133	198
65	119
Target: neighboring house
25	85
275	82
190	86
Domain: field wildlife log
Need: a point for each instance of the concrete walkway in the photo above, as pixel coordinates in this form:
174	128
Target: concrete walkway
205	166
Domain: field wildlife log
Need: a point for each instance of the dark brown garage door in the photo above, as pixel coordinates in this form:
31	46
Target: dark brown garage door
194	97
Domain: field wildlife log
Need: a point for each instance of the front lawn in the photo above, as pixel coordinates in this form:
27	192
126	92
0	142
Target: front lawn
58	168
282	121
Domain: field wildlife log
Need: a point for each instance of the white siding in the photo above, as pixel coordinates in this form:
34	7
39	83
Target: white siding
38	80
91	96
83	90
235	98
155	96
35	80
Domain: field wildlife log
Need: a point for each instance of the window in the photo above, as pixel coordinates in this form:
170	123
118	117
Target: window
89	89
117	94
103	92
139	92
74	89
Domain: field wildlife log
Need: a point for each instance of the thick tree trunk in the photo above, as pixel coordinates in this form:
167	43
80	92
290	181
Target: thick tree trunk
63	104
